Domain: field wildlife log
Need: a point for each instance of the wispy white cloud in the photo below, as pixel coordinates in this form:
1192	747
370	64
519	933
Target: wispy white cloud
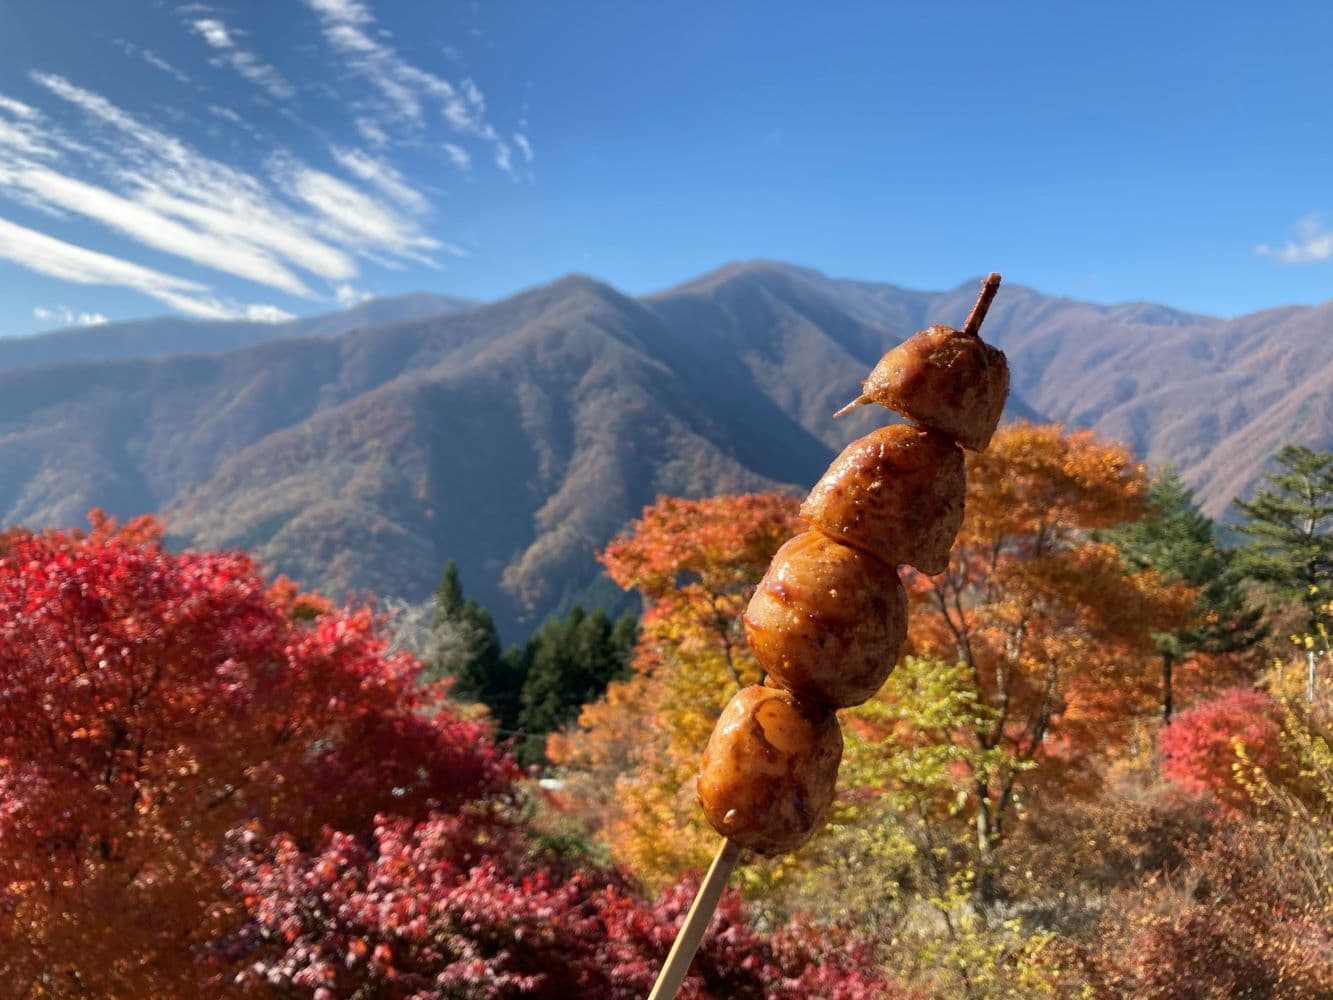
382	175
406	89
68	317
252	219
351	12
17	109
347	295
171	178
18	138
162	194
231	211
152	59
347	214
369	130
223	40
58	259
268	314
292	225
504	159
525	147
152	228
459	156
1312	242
233	117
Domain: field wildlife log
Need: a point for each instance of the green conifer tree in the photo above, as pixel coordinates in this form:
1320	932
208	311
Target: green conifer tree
1290	526
569	663
465	646
1178	541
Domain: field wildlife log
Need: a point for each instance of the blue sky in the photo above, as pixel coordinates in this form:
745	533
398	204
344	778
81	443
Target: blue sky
248	159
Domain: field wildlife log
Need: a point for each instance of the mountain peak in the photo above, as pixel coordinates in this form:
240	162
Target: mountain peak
578	281
742	270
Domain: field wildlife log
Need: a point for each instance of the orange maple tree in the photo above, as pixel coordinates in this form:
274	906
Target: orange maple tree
634	753
1053	628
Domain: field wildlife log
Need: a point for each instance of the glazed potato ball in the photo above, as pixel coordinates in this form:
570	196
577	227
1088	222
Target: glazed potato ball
896	493
827	621
767	776
945	379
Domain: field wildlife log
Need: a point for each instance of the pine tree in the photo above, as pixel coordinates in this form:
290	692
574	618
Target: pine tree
1178	541
569	663
465	646
1291	529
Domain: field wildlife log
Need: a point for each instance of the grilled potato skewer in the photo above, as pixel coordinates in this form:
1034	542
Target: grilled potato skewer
829	618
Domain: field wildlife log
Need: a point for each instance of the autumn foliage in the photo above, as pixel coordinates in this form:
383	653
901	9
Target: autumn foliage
1217	746
151	701
213	786
421	910
1249	915
1053	627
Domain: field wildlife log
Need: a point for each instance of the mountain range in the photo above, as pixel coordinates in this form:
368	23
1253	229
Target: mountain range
163	335
357	452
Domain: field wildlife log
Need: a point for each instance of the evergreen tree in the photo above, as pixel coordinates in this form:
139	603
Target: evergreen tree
1290	527
568	664
1178	541
465	646
625	635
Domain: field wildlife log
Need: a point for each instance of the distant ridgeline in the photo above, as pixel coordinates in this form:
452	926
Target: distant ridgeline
358	452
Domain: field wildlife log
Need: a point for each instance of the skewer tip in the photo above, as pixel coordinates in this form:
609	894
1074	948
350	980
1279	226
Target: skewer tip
858	401
989	286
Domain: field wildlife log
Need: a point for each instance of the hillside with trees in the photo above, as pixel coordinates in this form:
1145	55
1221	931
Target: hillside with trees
518	438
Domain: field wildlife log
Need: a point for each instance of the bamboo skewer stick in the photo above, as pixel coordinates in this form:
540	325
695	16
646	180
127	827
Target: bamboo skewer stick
978	314
696	922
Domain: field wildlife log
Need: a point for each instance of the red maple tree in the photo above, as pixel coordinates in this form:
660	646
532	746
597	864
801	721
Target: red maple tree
1215	746
149	702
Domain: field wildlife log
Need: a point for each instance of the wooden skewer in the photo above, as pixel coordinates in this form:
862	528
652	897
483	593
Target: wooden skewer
696	922
978	314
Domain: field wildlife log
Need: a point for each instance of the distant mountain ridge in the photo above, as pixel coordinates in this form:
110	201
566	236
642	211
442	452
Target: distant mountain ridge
518	436
166	335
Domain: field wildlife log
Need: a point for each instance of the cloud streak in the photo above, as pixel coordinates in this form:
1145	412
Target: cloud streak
381	174
458	156
58	259
222	40
221	202
113	184
406	89
347	215
152	59
161	194
68	317
154	229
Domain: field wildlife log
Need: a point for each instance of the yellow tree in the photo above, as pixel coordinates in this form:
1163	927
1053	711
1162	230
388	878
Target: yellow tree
634	753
